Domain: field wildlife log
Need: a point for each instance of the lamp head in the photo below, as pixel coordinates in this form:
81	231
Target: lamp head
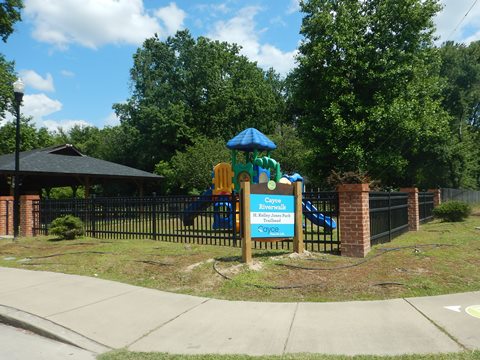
18	86
18	90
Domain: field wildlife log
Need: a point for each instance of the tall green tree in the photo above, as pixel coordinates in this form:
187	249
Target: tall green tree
9	15
88	139
190	171
185	88
31	137
366	91
461	98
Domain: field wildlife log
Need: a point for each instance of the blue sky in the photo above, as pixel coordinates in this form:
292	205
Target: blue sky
75	55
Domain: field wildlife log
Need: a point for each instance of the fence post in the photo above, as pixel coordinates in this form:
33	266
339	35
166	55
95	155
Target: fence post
26	214
154	216
93	216
354	219
437	196
413	208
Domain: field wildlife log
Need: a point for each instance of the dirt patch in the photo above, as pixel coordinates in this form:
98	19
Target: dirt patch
256	266
189	268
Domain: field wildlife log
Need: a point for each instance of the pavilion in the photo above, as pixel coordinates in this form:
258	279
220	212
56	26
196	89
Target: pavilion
65	165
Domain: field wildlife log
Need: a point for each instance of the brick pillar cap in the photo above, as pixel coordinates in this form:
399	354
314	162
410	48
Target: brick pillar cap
353	188
409	189
30	197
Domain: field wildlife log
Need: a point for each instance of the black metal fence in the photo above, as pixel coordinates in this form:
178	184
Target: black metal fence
468	196
207	219
388	216
425	206
190	219
320	221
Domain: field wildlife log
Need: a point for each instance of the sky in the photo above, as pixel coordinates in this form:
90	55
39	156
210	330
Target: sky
74	56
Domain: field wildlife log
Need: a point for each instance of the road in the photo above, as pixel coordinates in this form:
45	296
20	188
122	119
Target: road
18	344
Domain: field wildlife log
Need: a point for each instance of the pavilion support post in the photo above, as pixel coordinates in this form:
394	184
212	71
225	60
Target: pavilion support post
74	191
87	187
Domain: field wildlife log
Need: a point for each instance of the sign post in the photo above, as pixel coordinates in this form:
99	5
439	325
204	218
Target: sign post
269	214
298	245
247	238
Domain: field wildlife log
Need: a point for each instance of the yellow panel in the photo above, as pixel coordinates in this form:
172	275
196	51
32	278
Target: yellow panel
222	179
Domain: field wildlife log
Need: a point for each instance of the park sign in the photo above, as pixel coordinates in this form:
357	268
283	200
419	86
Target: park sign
270	213
272	216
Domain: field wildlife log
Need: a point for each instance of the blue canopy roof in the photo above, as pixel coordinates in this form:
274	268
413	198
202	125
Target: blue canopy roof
251	139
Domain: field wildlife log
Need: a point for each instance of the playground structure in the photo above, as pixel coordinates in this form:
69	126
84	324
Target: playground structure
255	168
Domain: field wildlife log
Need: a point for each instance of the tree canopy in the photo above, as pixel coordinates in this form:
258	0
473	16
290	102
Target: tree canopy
366	90
9	15
371	94
460	69
183	89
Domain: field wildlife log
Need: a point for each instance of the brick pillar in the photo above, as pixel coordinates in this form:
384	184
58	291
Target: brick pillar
413	208
26	214
437	197
354	219
6	208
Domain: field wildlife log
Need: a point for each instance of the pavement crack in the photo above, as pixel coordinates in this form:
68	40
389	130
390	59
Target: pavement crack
92	303
290	329
166	322
453	338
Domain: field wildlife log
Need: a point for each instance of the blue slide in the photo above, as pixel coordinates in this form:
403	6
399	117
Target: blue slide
310	211
191	212
312	214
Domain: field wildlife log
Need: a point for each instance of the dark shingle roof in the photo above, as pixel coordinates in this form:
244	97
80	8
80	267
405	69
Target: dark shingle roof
67	160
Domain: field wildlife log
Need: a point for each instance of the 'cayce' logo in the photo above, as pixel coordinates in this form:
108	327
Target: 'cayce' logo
268	229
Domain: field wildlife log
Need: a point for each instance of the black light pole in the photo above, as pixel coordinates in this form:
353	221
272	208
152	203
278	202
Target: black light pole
18	89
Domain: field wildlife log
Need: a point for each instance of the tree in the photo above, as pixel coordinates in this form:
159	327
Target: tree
190	171
88	139
461	98
184	89
291	153
31	137
9	14
366	91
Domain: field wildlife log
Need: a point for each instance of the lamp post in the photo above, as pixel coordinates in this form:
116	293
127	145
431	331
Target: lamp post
18	89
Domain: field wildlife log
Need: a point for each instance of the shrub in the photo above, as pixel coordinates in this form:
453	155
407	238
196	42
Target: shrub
452	211
66	227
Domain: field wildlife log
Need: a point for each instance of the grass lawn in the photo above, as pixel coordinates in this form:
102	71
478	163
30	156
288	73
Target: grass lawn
440	258
125	355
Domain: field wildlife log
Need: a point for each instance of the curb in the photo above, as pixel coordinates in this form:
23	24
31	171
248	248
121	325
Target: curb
46	328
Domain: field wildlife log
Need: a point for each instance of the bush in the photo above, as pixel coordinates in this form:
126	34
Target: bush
452	211
66	227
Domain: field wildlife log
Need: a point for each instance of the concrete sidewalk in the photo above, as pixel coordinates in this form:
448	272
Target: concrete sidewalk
99	315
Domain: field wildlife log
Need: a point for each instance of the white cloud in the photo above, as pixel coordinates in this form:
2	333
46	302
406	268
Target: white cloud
451	15
172	17
39	105
36	81
66	125
67	73
293	7
112	120
93	23
242	30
